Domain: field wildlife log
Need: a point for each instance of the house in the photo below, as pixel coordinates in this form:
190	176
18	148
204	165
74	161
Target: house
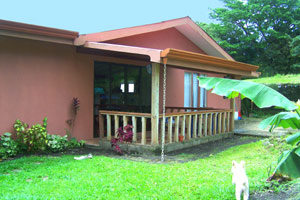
118	76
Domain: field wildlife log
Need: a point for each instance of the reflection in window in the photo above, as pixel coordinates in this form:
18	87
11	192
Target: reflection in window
122	87
131	87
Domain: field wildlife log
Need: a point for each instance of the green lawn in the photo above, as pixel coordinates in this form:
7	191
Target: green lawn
279	79
109	178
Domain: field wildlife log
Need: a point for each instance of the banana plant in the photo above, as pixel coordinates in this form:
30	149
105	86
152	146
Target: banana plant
264	97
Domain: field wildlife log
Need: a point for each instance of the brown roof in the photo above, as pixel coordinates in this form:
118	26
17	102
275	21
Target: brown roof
38	30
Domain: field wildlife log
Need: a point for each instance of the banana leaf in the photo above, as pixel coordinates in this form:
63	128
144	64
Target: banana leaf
260	94
282	119
289	163
293	139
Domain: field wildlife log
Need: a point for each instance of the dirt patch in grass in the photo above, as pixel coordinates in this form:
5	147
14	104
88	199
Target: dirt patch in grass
291	192
180	156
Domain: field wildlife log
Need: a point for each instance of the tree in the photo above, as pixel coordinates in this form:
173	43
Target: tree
259	32
263	97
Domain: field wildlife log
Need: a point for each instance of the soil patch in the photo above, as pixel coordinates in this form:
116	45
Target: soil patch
180	156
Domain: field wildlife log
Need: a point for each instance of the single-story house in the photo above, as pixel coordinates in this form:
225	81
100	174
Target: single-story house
118	77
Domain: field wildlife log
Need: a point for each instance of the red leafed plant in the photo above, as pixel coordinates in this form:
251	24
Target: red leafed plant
71	122
122	135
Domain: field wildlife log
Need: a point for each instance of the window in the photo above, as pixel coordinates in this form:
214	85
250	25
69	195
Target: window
187	89
194	96
203	95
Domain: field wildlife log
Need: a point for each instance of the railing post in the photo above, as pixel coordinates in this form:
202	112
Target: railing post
125	120
170	128
195	122
101	126
205	124
189	127
223	122
134	128
215	123
200	126
143	141
228	121
116	124
176	129
183	126
209	124
219	122
108	126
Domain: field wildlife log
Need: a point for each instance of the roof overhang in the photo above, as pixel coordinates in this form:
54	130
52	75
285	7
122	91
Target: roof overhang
197	61
29	31
176	58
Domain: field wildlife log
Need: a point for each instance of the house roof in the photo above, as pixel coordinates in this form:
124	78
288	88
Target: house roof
181	59
217	59
29	31
184	25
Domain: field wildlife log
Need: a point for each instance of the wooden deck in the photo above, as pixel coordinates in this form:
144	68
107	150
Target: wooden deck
190	124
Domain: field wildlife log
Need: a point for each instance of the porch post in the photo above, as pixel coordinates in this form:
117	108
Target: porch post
155	103
232	108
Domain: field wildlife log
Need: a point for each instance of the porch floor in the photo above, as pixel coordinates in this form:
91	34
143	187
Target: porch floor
95	141
137	147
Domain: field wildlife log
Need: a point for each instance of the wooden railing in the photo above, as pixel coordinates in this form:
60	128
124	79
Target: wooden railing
124	116
196	124
188	124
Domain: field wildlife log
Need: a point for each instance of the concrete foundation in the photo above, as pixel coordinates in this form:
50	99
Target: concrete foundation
156	149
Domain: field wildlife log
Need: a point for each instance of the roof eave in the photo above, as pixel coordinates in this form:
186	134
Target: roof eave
186	59
29	31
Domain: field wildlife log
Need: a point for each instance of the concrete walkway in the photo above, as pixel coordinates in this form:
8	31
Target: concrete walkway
249	127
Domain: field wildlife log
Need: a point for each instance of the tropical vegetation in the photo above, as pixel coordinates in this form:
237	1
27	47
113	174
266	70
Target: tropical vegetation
265	33
32	139
263	97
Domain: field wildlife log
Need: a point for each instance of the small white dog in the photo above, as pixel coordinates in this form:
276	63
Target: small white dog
240	179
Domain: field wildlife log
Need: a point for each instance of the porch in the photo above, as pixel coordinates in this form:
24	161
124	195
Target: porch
195	125
123	105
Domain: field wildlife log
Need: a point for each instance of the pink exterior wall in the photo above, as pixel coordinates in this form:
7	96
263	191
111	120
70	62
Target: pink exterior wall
168	38
175	90
39	79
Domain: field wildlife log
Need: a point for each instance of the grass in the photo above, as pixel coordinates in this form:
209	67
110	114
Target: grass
278	79
109	178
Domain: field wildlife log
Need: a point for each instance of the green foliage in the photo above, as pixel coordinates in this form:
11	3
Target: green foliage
263	96
109	178
293	139
73	143
57	143
259	32
278	79
33	138
8	147
282	119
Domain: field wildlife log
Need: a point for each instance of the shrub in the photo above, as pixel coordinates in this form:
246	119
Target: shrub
57	143
8	147
73	143
123	135
33	138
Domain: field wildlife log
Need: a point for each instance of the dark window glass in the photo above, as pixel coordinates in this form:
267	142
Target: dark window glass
120	87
